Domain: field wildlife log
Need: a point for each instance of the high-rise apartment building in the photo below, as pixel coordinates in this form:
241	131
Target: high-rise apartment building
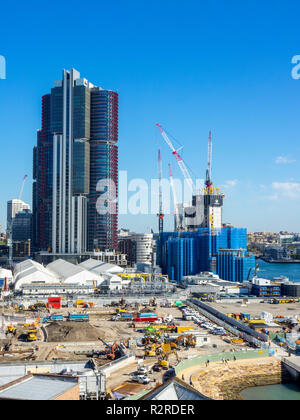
75	159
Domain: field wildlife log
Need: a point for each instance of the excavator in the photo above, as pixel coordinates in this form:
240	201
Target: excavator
11	330
112	352
163	360
154	351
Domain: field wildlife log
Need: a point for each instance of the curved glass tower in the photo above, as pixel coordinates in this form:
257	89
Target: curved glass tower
76	154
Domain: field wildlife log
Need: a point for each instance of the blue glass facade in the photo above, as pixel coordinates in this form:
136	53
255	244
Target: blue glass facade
223	252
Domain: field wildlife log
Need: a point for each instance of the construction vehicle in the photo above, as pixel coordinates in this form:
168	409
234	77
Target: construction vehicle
31	336
11	330
53	318
153	351
32	330
112	352
164	359
153	302
121	311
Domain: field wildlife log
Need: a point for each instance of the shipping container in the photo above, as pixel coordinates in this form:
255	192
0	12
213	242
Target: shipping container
54	302
183	329
147	315
145	319
79	318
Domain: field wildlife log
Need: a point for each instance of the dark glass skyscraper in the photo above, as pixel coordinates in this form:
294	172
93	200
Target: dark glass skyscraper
76	150
103	228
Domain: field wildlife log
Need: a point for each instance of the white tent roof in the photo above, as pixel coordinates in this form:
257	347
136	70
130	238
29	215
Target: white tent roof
30	271
100	267
70	273
64	269
6	273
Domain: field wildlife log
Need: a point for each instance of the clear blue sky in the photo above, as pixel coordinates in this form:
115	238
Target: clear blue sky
192	66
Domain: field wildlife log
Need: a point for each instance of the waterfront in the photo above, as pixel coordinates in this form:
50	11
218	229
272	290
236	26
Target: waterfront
280	392
271	270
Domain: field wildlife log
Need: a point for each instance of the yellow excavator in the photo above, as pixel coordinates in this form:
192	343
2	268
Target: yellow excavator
163	360
11	330
155	349
32	334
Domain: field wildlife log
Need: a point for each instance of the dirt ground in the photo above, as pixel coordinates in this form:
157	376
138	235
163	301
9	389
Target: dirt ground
67	332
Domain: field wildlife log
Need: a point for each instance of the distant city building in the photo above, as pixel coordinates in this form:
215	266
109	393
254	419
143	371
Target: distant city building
22	249
22	226
76	148
277	253
139	248
13	208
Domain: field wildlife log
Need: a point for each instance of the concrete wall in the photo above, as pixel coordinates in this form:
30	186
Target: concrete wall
117	365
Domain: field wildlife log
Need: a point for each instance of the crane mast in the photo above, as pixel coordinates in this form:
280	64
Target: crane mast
179	160
160	214
178	222
209	164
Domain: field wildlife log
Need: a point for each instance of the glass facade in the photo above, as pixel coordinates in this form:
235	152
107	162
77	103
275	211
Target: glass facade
222	251
92	115
103	228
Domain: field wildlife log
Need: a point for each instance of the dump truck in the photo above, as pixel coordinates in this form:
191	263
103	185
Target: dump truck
53	318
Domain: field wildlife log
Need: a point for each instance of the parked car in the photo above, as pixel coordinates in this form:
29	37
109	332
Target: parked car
143	370
141	379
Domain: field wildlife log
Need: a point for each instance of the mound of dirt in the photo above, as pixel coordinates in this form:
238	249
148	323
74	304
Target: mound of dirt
68	332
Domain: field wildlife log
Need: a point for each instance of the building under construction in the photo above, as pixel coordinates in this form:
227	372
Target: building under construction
200	241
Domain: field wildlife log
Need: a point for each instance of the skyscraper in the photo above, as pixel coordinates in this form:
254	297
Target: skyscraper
76	150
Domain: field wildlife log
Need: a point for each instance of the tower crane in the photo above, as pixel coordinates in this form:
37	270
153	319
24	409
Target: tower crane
160	213
178	221
10	227
208	182
179	160
22	187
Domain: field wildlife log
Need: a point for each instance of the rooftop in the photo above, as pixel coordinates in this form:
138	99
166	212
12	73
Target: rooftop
37	387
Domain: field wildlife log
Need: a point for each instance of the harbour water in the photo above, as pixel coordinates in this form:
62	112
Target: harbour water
271	270
281	392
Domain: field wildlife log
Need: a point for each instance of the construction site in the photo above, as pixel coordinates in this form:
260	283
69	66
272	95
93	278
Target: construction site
135	345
